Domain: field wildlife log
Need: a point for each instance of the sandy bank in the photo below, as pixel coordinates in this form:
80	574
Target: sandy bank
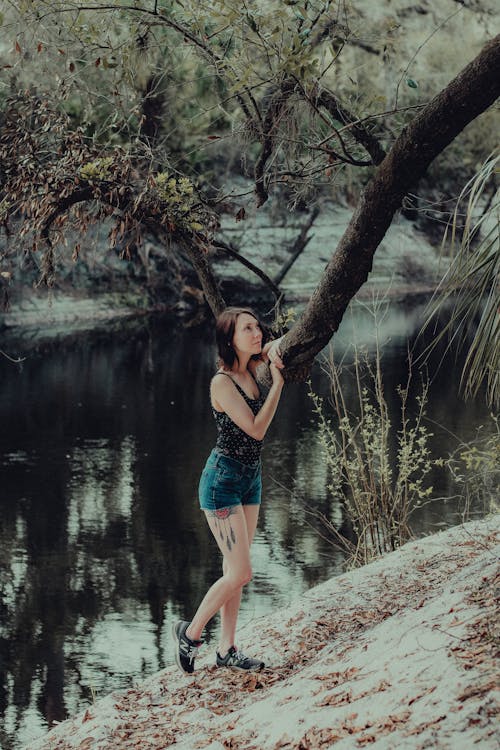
399	654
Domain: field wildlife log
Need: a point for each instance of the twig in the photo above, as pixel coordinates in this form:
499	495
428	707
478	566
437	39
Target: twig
297	248
11	359
405	71
360	134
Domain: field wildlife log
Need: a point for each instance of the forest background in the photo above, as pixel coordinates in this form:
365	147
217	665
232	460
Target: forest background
156	122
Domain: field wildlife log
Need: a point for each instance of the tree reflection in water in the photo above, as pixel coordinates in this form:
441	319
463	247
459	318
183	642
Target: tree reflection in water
102	543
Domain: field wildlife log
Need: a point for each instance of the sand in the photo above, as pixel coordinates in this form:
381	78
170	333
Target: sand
401	653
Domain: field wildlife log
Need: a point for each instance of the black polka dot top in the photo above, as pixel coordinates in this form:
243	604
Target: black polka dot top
233	441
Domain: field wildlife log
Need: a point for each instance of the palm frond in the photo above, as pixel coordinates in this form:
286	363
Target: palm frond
471	284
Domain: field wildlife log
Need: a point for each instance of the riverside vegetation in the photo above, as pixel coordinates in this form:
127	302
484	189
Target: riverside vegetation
113	143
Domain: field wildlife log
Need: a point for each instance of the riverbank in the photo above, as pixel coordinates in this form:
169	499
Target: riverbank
400	653
406	267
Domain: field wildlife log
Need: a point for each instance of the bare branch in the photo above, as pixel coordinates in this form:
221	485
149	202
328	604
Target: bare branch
273	285
361	134
298	246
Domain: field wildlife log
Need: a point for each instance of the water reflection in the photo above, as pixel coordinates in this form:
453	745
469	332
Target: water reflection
101	540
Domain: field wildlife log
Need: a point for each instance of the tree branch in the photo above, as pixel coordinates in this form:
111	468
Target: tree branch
77	196
360	134
468	95
273	285
192	243
269	127
298	246
201	265
339	33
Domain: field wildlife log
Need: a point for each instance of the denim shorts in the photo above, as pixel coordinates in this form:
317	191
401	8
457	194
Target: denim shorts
225	481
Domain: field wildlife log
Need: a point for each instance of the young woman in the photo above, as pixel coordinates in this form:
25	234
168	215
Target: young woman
230	485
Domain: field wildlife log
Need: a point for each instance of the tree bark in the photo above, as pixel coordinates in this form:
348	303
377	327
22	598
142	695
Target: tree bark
206	277
434	128
358	131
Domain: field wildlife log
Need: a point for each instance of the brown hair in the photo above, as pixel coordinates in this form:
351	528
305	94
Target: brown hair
224	333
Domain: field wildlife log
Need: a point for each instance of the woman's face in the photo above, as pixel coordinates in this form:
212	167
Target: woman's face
247	337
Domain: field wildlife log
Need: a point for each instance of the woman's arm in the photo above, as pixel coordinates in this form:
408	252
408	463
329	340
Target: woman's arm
225	397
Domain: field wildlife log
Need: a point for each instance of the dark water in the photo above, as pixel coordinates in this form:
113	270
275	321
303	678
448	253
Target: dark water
101	542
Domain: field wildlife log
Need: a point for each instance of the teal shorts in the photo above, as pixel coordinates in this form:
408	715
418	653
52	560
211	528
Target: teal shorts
226	482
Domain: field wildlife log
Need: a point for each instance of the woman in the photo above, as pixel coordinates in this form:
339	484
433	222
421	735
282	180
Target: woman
230	485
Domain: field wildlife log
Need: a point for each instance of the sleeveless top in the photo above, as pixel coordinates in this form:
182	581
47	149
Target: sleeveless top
233	441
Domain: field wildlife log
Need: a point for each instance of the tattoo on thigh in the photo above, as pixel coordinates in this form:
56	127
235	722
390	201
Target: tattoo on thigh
223	526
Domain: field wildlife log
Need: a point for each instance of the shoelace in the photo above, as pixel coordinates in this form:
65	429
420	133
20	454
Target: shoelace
190	650
238	656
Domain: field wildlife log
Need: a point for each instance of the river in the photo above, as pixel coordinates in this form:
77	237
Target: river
102	545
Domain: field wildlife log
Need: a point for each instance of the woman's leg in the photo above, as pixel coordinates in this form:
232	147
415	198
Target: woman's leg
230	608
229	527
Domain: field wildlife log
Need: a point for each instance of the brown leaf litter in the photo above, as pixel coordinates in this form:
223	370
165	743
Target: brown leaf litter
378	640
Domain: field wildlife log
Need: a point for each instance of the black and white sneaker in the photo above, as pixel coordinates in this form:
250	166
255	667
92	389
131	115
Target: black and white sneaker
236	660
185	648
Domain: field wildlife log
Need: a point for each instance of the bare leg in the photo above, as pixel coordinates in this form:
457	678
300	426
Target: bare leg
230	608
229	527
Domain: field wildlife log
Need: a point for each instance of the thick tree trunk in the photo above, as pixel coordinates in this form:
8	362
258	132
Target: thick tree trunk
466	97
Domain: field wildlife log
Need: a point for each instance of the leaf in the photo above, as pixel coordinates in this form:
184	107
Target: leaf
39	47
425	725
251	23
241	214
109	64
411	83
18	47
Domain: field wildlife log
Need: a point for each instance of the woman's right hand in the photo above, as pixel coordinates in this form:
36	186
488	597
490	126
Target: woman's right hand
273	352
276	374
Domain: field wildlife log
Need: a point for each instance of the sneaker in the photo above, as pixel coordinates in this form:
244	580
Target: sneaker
185	651
236	660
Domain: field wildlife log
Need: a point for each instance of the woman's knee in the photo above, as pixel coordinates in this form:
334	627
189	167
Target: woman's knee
239	577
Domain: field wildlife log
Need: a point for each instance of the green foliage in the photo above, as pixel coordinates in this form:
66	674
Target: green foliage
100	169
476	467
178	195
358	442
284	320
174	74
470	286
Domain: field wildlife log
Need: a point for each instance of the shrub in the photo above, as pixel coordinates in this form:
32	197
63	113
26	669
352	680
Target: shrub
358	445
